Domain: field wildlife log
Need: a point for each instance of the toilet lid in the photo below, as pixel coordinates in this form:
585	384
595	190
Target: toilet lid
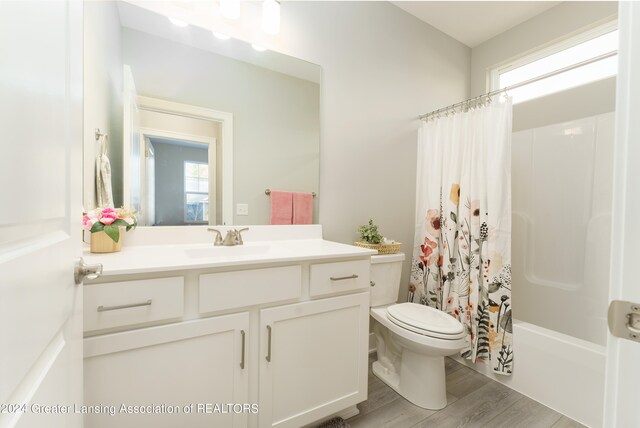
425	320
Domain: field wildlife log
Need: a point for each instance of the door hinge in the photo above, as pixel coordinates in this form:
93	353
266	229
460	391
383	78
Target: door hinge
624	320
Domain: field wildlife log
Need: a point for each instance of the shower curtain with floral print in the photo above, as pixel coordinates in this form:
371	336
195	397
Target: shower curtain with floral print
462	246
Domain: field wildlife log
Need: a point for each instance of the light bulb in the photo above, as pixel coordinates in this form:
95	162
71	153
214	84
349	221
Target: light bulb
271	16
259	48
177	22
221	36
230	9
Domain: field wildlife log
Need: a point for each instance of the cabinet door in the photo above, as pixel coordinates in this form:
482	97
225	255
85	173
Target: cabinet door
194	362
313	360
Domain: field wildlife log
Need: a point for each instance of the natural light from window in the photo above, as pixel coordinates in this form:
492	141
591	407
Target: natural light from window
587	52
196	192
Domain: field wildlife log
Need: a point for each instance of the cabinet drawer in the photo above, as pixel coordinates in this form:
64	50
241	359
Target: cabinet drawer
118	304
228	290
327	278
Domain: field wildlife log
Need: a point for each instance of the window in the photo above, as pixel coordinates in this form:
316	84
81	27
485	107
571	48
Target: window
196	192
576	63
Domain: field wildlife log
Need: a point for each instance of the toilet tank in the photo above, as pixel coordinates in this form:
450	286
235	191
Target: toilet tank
386	271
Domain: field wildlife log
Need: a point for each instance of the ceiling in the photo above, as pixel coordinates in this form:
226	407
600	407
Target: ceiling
474	22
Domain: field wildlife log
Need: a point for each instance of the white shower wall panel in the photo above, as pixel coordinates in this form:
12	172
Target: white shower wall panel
561	185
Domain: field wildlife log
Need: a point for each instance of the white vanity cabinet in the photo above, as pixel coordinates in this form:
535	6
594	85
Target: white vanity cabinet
288	337
182	364
313	360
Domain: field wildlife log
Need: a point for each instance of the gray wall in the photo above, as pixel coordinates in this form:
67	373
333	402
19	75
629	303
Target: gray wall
102	95
276	116
565	20
169	186
381	68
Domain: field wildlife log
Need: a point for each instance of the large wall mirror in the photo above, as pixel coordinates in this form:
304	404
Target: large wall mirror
198	127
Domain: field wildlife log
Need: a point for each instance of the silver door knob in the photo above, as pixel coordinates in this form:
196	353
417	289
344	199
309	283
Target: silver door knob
84	271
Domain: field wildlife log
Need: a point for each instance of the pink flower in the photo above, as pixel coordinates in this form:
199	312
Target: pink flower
87	222
427	251
432	221
108	216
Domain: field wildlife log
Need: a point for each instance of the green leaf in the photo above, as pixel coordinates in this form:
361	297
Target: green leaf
97	227
120	222
454	217
113	232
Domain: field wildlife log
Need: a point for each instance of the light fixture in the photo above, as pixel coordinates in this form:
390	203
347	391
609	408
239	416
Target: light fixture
259	48
177	22
271	16
221	36
230	9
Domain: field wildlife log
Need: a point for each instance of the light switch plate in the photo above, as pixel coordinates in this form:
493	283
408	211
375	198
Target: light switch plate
242	209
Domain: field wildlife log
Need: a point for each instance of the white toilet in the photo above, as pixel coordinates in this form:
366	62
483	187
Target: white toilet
412	339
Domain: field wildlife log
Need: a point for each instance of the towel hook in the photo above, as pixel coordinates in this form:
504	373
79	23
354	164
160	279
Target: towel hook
99	134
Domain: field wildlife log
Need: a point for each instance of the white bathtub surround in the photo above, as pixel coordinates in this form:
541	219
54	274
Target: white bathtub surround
462	245
254	324
562	184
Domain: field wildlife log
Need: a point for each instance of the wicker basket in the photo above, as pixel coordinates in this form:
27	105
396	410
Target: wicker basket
380	248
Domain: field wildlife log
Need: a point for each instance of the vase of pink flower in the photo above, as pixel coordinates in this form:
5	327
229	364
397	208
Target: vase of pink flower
106	225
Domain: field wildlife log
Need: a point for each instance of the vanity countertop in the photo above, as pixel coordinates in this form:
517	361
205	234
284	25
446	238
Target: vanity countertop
161	258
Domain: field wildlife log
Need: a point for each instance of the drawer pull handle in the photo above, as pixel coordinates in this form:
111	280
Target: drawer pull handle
269	344
243	346
130	305
342	278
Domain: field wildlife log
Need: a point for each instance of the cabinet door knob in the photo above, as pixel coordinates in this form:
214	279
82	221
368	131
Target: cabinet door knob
268	344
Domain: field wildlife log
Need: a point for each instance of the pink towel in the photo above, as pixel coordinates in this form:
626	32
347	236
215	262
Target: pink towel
281	207
302	208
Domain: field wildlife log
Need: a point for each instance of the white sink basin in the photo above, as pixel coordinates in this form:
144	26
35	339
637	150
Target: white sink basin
222	251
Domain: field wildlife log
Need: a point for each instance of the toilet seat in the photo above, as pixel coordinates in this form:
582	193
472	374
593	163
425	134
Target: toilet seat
425	320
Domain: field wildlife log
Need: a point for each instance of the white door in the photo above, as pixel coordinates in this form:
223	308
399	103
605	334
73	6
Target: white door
41	208
331	336
132	148
623	355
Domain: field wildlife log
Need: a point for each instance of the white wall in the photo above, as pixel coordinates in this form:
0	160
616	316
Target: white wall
102	94
381	68
276	116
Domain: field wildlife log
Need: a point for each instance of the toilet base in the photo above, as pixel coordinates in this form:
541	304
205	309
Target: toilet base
421	379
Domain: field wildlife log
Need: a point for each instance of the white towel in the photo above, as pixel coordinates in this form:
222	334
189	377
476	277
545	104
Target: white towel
104	193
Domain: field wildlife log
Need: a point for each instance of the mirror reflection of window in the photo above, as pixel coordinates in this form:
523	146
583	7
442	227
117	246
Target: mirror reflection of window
181	182
196	192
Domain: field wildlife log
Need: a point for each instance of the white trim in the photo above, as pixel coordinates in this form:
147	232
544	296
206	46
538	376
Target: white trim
623	371
226	122
151	132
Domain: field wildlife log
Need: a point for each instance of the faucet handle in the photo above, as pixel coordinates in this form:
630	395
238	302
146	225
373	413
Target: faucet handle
218	239
239	235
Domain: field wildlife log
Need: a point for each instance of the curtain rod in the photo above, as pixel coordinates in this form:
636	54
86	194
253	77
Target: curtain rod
506	89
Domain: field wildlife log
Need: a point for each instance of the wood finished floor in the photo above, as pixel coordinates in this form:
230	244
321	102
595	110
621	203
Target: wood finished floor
474	400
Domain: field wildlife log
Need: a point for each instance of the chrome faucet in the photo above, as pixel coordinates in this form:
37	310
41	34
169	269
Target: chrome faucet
232	238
